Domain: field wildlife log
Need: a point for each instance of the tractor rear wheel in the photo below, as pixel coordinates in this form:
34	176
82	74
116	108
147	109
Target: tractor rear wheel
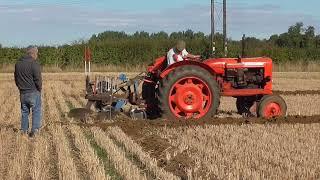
271	106
149	94
189	92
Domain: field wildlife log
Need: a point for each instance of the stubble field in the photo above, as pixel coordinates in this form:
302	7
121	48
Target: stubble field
226	147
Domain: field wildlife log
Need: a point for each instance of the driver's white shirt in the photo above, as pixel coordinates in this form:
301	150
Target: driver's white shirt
172	57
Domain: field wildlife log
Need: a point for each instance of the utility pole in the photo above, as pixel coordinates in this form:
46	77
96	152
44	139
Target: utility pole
213	43
225	43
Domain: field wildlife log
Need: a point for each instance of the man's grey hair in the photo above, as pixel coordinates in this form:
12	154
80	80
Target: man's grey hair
32	49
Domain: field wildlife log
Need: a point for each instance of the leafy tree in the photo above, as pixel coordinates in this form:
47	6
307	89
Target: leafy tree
119	48
199	35
295	35
309	37
317	41
189	34
177	35
160	35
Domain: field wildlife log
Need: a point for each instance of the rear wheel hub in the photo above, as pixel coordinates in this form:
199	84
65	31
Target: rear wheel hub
190	98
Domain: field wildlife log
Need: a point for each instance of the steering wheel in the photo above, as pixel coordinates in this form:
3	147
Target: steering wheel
199	58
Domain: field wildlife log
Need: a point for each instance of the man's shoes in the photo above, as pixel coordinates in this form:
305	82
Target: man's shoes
34	133
23	133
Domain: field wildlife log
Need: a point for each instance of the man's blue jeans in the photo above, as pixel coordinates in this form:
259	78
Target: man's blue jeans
31	101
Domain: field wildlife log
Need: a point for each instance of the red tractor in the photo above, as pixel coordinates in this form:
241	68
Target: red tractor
192	89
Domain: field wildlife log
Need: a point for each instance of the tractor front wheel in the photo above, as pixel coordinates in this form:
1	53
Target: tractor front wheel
189	92
271	106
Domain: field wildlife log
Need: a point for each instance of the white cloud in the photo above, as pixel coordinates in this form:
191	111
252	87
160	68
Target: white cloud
12	9
69	23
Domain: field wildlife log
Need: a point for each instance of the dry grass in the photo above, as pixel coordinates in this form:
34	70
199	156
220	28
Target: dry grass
297	75
7	147
145	158
40	159
249	151
9	68
87	155
125	167
297	67
18	164
226	152
286	84
66	166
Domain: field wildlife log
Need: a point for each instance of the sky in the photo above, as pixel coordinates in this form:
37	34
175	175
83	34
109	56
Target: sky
57	22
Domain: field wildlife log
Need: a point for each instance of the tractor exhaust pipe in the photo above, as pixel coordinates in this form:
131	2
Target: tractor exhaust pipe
243	53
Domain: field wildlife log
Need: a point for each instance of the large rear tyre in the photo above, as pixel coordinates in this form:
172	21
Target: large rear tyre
151	100
189	92
271	106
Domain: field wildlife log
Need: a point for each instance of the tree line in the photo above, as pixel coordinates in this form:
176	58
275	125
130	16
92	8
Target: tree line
299	43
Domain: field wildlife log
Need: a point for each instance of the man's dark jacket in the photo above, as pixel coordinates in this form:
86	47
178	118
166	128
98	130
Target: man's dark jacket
27	75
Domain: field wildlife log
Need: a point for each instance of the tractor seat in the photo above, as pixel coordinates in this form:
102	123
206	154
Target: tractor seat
160	64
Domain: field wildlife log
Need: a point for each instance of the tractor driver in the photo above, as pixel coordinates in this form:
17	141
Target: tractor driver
179	53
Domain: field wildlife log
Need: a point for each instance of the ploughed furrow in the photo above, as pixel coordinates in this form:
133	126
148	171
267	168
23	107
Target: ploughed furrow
74	152
109	167
49	114
298	92
40	150
55	116
87	155
76	92
40	158
133	158
94	166
72	103
136	150
124	166
65	163
66	166
303	105
252	151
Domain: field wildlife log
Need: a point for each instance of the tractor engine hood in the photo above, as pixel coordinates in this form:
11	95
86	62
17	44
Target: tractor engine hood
220	64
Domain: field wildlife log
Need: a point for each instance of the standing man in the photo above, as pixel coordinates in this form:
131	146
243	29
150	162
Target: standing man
179	53
28	79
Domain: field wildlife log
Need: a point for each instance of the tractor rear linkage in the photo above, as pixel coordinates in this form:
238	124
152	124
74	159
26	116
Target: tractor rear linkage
112	89
110	94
